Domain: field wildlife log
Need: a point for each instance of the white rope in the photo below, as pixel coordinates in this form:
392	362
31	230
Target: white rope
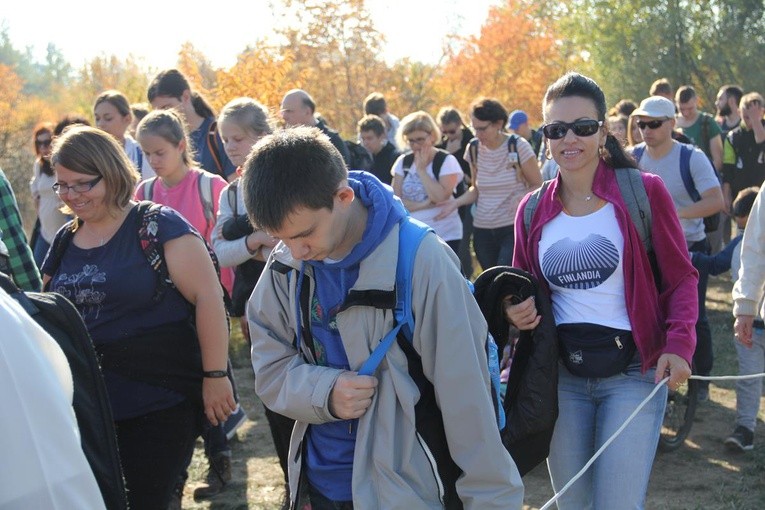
631	417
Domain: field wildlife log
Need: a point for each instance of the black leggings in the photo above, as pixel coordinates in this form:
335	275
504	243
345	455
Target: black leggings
153	450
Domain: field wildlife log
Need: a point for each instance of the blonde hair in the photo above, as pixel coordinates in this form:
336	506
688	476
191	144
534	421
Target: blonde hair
90	151
248	114
168	125
417	121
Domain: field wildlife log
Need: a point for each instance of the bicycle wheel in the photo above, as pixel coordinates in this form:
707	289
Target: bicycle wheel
678	416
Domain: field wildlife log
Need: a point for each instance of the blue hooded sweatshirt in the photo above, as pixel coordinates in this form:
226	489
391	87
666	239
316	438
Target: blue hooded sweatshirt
330	446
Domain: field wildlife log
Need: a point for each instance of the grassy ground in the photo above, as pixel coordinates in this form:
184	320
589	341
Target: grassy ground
700	475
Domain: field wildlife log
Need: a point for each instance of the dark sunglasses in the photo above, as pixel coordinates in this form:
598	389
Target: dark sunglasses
651	124
558	130
43	143
450	131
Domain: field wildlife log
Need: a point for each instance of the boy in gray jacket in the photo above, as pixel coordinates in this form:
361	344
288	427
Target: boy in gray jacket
321	307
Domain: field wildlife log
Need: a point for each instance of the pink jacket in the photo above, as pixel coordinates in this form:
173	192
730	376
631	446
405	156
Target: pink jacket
663	320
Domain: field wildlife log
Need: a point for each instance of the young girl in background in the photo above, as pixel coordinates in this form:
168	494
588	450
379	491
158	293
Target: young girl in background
241	123
113	115
194	194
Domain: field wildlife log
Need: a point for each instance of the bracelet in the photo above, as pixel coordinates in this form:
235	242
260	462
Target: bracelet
215	374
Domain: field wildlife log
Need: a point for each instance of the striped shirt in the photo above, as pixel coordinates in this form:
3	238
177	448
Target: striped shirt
499	183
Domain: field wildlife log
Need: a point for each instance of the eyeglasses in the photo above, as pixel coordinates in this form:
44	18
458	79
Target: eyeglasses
585	127
43	143
481	129
419	140
651	124
83	187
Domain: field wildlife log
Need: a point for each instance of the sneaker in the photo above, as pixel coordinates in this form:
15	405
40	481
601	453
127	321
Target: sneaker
236	420
742	440
218	476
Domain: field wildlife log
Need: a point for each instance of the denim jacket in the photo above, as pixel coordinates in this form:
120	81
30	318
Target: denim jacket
663	319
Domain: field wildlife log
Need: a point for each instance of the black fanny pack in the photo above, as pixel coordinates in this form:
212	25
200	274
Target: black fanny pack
592	350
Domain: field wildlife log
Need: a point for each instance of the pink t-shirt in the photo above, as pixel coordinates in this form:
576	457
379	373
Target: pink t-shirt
184	198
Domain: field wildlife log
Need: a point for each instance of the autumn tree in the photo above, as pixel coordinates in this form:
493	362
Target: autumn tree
260	73
99	74
514	58
18	114
337	56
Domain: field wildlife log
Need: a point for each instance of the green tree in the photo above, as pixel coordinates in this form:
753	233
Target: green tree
628	44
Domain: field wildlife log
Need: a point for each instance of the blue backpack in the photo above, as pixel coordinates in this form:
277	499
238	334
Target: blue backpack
711	223
411	234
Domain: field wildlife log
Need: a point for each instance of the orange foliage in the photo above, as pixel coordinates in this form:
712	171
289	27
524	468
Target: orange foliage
514	59
261	73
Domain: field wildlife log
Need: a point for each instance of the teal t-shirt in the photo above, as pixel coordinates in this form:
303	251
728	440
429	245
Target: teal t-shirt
704	129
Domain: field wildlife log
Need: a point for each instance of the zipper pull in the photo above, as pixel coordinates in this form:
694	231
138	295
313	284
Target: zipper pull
618	343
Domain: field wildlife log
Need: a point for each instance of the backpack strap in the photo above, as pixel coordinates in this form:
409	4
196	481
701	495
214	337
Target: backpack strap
148	227
512	147
139	160
411	233
205	185
532	203
686	151
637	151
636	199
214	146
408	162
233	203
148	189
438	162
473	151
59	246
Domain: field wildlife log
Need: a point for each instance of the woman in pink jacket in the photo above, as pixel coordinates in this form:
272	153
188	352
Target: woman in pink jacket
619	330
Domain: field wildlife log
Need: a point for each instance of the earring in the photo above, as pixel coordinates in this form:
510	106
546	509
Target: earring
602	151
548	154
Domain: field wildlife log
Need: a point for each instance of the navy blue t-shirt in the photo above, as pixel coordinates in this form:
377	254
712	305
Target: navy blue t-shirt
202	150
112	287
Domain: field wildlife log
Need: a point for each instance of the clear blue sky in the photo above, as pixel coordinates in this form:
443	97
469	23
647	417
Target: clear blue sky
153	30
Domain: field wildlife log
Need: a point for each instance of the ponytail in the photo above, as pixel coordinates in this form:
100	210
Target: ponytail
616	156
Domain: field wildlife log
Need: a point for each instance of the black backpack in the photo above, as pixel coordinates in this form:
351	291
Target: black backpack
361	159
58	316
438	162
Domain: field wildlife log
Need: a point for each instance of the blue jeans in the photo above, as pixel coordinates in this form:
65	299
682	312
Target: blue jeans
590	411
494	246
751	360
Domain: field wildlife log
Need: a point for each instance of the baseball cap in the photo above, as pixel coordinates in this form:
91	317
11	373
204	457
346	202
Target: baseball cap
517	118
655	106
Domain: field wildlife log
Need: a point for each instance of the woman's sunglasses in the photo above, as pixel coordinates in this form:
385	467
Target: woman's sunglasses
558	130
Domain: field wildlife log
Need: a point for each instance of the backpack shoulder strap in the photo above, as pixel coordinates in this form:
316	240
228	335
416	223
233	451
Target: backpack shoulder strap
148	228
205	183
148	189
512	143
438	162
212	144
411	234
638	150
532	203
635	198
686	151
59	246
473	151
408	162
233	203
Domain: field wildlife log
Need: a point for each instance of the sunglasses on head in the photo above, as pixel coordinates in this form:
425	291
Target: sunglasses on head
651	124
585	127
